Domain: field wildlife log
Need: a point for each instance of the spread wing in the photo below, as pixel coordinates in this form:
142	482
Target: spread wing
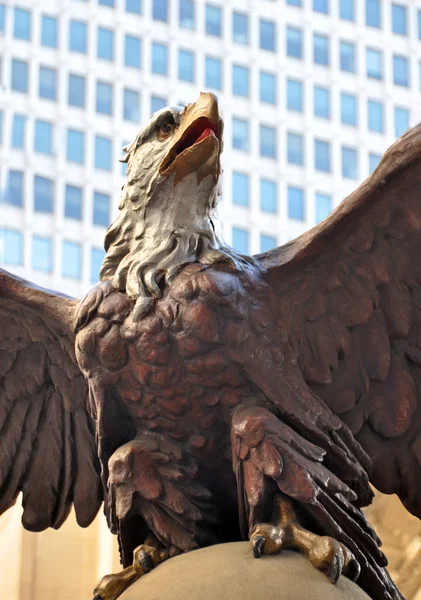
47	444
348	296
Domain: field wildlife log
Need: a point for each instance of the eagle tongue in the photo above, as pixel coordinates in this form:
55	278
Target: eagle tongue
204	134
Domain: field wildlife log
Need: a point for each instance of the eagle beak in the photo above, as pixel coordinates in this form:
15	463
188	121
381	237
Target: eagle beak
197	143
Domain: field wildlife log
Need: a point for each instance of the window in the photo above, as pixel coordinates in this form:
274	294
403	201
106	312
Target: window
104	98
347	56
73	202
320	49
160	10
71	260
186	16
419	24
22	24
157	103
268	196
42	254
401	120
77	91
213	73
399	19
186	67
240	28
75	150
213	20
107	3
105	43
321	102
43	139
268	141
78	37
43	194
1	126
13	194
374	63
400	70
321	6
347	10
2	19
373	161
240	240
372	13
131	105
134	6
19	81
267	87
375	116
294	42
132	51
267	242
322	156
349	163
294	2
101	209
97	257
349	109
295	95
159	58
267	35
48	31
295	203
18	131
240	81
103	149
323	206
47	83
295	148
240	134
240	188
10	247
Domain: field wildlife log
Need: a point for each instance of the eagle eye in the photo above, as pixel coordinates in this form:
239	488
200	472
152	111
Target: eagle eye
165	129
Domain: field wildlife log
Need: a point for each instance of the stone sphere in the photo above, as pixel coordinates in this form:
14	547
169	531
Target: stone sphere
230	572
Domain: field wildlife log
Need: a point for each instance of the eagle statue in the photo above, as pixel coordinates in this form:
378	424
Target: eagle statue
204	396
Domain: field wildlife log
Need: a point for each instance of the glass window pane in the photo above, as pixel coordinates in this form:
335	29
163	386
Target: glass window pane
103	150
11	251
373	161
347	56
349	109
42	252
296	203
19	81
77	91
75	146
159	58
97	257
323	206
240	240
186	66
267	242
2	17
372	13
105	43
322	156
131	103
295	95
107	3
104	98
13	193
240	134
134	6
240	28
268	196
268	141
320	49
22	24
400	71
157	103
213	73
349	163
132	51
321	102
240	188
43	139
47	83
78	36
294	42
267	87
73	202
267	35
321	6
295	148
240	81
347	10
18	131
160	10
186	14
401	120
101	209
71	260
399	19
49	31
43	194
213	20
375	116
374	63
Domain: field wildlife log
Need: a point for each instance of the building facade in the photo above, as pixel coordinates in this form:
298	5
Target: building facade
312	91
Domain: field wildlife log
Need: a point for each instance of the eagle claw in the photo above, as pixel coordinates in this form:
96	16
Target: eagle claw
258	546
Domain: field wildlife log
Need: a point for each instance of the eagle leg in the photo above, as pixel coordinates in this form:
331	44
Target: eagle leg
284	532
145	558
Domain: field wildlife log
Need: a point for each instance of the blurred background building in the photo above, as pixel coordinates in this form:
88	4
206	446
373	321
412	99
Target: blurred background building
313	92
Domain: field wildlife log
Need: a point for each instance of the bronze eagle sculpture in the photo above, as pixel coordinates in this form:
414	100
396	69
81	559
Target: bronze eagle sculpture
205	396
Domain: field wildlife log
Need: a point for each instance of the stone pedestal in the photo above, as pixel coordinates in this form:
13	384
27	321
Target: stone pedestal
229	572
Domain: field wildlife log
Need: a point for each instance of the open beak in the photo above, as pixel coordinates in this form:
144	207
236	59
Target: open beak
197	143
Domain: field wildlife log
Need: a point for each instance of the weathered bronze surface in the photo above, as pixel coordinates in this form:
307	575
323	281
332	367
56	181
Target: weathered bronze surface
207	397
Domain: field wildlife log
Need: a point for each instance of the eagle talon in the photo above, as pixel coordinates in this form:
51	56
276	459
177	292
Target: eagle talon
335	569
258	546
